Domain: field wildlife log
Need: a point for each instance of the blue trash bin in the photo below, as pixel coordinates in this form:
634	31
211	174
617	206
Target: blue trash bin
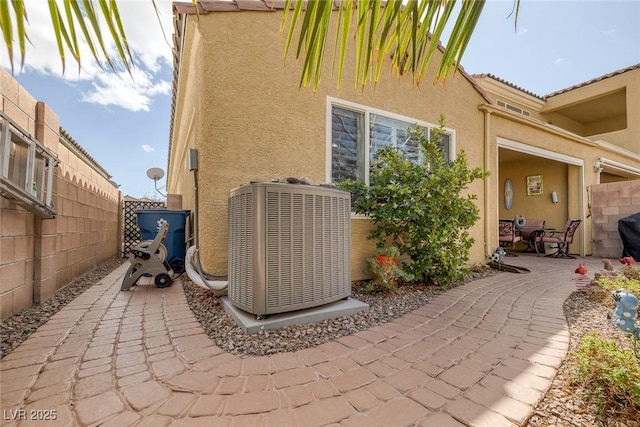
150	219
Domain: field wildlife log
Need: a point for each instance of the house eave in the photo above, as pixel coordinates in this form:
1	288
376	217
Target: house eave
535	123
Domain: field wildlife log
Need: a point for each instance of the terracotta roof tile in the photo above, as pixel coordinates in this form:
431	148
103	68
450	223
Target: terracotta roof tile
494	77
206	6
597	79
558	92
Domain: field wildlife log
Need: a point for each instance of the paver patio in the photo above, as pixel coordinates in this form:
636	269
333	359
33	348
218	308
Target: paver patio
482	354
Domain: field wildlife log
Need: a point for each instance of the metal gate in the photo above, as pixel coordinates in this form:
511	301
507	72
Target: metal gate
131	231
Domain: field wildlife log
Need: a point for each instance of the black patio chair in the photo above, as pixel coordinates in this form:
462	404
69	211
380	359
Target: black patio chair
561	238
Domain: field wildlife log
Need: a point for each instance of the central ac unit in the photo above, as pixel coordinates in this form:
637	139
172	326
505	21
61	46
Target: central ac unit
289	247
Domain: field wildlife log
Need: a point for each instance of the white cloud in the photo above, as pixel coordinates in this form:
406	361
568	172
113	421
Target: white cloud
522	31
148	148
150	49
558	61
122	90
145	33
608	32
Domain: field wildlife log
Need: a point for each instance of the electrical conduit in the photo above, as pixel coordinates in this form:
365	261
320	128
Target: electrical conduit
196	275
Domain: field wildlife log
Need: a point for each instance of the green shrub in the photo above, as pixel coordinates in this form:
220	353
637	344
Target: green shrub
386	272
419	207
610	375
620	282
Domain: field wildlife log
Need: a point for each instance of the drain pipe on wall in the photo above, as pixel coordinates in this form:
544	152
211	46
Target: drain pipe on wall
487	185
192	259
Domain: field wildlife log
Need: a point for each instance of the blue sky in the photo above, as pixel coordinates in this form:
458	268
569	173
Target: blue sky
124	125
120	122
557	44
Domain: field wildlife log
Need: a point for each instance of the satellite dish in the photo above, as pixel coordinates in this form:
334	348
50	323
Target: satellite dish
155	173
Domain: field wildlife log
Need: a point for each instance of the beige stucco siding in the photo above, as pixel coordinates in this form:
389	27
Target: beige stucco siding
241	107
628	129
556	177
570	181
539	206
185	121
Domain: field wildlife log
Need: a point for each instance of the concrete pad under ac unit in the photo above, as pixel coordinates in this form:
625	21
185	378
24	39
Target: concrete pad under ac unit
250	325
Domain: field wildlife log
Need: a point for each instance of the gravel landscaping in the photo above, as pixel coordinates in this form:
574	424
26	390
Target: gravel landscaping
230	337
563	405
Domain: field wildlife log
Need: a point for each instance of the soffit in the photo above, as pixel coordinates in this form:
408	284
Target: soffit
596	109
506	155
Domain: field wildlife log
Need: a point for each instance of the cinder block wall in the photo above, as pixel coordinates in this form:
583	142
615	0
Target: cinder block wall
87	228
17	226
17	231
609	203
40	256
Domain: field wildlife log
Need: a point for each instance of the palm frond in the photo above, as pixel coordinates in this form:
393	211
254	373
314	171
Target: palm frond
59	29
94	29
74	20
408	32
342	37
77	11
21	18
460	36
72	42
112	17
6	26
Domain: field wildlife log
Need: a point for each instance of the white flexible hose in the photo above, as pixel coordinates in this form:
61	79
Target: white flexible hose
212	285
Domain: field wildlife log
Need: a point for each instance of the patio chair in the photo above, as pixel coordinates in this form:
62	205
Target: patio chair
507	233
529	231
561	238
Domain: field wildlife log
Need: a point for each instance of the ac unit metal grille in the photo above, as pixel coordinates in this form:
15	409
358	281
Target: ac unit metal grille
304	260
241	247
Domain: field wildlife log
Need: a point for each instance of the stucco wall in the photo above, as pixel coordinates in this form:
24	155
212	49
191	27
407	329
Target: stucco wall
628	81
609	203
554	175
571	184
185	126
40	256
244	112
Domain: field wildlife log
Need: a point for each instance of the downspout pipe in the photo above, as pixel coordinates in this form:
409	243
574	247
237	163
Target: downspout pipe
487	184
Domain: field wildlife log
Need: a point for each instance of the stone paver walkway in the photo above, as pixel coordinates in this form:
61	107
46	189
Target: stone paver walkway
482	354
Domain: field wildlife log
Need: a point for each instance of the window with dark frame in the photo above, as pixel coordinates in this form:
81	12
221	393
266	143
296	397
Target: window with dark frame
357	135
